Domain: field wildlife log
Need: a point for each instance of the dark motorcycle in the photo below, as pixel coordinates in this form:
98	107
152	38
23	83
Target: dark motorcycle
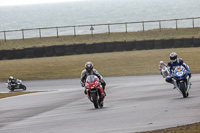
17	84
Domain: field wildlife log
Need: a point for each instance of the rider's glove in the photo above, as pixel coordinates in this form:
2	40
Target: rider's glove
102	81
82	84
188	72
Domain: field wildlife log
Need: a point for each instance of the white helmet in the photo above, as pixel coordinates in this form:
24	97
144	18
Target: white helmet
11	77
161	62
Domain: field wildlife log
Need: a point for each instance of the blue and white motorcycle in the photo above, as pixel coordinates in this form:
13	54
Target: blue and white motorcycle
181	80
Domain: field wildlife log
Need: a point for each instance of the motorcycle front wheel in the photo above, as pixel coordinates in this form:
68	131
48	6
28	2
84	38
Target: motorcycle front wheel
183	89
23	87
94	100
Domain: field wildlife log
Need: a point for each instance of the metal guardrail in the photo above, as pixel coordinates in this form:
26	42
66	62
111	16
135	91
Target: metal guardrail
93	25
63	50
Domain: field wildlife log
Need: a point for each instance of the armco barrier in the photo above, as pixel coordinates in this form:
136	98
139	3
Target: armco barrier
90	48
19	53
69	49
168	43
9	54
187	42
120	46
29	52
100	47
60	50
2	56
140	45
39	52
178	43
79	48
49	51
130	45
196	42
149	44
110	46
158	44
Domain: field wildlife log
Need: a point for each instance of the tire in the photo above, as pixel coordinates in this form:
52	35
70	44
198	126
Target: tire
183	89
95	100
23	87
12	89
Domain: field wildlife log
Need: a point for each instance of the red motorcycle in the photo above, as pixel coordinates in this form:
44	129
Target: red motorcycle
94	91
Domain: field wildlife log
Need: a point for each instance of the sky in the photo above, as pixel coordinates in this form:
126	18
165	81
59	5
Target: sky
28	2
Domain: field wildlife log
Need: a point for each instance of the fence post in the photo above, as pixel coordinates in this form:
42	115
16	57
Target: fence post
160	25
143	25
40	33
108	28
5	36
74	31
126	28
57	32
193	23
176	24
22	34
91	28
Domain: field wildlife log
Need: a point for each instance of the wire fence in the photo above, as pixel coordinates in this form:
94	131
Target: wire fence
99	28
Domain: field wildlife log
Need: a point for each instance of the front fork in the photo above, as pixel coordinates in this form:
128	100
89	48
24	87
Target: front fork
188	84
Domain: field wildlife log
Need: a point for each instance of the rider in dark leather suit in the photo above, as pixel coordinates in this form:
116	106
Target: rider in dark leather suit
90	71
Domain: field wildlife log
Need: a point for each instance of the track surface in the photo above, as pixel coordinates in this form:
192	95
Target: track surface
132	104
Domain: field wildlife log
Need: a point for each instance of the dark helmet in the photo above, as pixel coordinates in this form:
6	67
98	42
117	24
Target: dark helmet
173	57
89	66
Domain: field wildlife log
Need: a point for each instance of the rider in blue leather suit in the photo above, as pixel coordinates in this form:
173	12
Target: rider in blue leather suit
173	63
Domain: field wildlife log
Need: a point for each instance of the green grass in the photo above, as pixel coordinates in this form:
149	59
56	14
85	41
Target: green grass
191	128
108	64
105	37
4	95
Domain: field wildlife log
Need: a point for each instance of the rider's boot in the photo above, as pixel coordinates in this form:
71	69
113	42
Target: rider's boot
104	91
190	84
174	83
85	92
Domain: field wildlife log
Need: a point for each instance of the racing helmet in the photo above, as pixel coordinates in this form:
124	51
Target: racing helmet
11	77
173	57
161	62
89	66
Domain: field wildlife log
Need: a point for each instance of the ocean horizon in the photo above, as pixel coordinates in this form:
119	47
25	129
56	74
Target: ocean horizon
88	12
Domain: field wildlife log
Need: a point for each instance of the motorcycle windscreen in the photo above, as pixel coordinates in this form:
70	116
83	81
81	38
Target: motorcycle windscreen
91	78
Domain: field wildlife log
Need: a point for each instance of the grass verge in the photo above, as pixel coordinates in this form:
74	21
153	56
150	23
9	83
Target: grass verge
104	37
191	128
108	64
4	95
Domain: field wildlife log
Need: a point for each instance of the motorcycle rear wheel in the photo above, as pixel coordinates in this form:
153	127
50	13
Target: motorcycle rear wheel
95	100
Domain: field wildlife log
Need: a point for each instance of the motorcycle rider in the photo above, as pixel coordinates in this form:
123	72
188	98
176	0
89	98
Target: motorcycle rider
172	64
90	71
12	80
161	65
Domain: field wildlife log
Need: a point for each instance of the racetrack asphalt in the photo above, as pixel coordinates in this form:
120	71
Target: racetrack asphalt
132	104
